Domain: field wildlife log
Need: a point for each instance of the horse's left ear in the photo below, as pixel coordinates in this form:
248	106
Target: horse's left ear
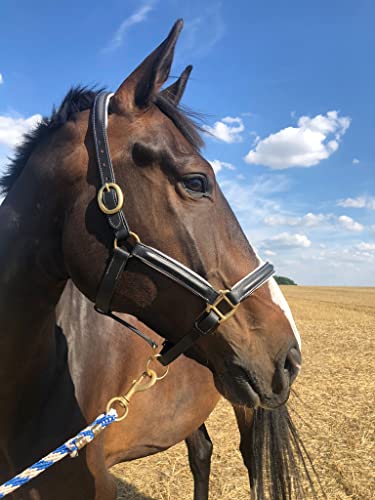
145	81
175	91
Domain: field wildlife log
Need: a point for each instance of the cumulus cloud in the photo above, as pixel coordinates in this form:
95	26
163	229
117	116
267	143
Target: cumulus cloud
308	220
313	140
311	220
269	253
137	17
366	247
218	165
1	78
287	240
317	266
359	202
355	161
12	129
350	224
228	130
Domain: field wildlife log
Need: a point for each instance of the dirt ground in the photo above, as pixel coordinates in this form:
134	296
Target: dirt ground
335	416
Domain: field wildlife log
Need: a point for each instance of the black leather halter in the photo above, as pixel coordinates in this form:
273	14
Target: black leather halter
219	304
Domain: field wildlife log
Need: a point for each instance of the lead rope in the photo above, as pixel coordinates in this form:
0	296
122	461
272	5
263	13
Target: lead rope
72	447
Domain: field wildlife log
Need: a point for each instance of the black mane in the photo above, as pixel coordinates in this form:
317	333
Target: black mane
78	99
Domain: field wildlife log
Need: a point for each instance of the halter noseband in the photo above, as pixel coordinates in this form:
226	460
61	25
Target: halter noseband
220	304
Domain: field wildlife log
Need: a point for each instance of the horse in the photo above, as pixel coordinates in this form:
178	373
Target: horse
65	216
174	410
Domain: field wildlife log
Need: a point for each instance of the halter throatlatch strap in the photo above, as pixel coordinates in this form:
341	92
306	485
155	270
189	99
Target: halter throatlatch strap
219	305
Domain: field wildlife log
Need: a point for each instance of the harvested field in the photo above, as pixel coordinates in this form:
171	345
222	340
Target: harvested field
335	415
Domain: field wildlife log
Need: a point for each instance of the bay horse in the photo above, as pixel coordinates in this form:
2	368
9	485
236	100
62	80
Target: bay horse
174	410
52	229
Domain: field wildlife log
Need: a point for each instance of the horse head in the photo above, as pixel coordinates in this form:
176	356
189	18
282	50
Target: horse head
173	203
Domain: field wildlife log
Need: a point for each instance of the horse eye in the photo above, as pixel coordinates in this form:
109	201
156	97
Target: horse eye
195	183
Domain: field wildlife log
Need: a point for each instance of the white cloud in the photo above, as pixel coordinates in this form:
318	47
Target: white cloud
350	224
336	265
355	161
287	240
359	202
12	129
314	220
1	78
229	129
137	17
308	220
269	253
311	220
366	247
313	140
327	258
281	220
218	165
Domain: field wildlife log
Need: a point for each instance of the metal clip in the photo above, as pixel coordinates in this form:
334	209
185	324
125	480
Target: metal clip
137	386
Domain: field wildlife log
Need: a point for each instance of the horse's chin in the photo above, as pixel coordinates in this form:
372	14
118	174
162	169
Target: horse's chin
237	390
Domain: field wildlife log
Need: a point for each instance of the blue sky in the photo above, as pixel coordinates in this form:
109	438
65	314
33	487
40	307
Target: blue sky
288	89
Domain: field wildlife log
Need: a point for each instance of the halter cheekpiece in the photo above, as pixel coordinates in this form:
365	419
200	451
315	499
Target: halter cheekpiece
220	305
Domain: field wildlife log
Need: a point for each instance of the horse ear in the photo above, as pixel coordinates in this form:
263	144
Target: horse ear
175	91
145	81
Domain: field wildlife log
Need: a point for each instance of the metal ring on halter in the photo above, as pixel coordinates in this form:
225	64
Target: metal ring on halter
120	198
132	234
152	358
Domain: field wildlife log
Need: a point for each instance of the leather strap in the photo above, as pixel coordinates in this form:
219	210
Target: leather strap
99	120
111	275
131	327
245	287
204	325
175	271
209	320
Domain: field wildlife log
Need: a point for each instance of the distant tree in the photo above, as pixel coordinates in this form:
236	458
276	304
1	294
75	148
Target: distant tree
282	280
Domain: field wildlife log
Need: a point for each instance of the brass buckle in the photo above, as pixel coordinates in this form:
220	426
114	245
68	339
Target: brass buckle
120	198
223	297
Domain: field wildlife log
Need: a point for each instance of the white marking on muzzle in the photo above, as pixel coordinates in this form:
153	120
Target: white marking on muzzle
279	299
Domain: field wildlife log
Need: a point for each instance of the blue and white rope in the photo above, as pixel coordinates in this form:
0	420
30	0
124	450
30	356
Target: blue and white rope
68	448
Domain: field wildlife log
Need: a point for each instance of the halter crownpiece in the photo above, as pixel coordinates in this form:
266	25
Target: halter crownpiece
220	304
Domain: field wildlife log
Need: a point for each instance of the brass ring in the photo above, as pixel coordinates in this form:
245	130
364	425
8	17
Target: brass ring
133	235
121	402
120	198
154	358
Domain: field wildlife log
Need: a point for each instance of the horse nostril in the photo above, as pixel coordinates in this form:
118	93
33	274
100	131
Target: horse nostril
292	364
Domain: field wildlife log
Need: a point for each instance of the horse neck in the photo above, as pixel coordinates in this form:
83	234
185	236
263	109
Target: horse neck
30	287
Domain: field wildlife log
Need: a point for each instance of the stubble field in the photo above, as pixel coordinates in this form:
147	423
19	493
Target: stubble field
335	414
